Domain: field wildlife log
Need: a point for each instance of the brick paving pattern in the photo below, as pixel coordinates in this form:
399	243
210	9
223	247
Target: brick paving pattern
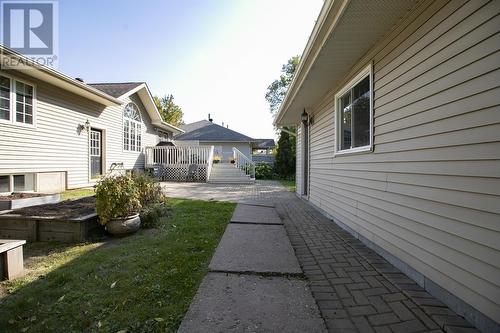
356	289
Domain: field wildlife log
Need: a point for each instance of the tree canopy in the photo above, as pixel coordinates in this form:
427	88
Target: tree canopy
169	111
277	89
285	153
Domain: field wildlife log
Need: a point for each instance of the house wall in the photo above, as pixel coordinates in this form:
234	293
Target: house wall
429	193
55	145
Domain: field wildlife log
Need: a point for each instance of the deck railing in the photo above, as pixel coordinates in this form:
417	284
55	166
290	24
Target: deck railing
243	163
210	162
176	162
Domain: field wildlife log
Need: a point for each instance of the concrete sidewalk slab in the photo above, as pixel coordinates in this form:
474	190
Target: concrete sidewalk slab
255	248
259	203
255	214
248	303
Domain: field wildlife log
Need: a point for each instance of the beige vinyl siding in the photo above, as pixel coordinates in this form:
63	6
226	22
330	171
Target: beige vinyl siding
430	191
56	145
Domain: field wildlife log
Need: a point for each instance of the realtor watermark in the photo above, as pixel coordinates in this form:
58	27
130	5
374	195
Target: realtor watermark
30	28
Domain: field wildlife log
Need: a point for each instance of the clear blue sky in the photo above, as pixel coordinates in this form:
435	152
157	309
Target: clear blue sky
214	56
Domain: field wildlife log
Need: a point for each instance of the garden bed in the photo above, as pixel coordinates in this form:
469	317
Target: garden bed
67	221
21	200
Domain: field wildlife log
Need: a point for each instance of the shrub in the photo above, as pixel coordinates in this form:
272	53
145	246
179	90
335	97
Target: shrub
149	190
151	215
117	197
285	156
263	171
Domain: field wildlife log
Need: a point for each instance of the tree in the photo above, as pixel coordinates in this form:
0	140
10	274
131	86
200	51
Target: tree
285	156
277	90
285	153
169	111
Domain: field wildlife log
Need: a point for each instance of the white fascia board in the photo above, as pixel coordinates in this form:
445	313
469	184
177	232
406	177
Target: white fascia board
147	99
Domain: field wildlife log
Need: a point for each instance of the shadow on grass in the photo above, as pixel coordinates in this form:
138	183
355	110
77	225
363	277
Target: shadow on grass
143	283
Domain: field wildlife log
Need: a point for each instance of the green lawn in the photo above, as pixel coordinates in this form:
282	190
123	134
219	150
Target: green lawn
289	184
77	193
141	283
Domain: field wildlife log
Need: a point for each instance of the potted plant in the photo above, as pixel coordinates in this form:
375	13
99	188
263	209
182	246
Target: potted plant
232	160
118	202
216	159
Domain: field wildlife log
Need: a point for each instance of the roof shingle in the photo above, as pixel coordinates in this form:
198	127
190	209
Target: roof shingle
115	89
205	130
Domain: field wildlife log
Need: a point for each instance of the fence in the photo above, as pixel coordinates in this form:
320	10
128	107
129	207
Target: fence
188	163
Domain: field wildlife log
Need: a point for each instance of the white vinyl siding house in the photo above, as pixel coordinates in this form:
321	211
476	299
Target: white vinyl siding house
207	133
427	194
56	152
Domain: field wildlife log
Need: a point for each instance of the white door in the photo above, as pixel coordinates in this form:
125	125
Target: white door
95	153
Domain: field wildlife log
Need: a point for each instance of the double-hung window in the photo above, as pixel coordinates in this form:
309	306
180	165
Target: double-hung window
16	101
132	140
354	115
5	92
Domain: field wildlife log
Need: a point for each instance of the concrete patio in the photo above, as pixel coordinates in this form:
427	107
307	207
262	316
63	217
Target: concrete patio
354	288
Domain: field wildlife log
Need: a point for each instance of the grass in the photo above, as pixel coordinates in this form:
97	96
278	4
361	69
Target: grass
77	193
289	184
141	283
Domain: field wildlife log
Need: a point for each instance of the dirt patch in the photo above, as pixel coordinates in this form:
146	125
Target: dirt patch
63	210
15	196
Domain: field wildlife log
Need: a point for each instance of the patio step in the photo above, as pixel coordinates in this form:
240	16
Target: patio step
227	173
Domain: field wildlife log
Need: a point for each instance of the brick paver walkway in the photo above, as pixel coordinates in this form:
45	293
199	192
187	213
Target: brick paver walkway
356	290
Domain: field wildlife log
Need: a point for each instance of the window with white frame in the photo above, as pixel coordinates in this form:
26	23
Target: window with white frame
132	128
16	101
24	103
5	98
354	115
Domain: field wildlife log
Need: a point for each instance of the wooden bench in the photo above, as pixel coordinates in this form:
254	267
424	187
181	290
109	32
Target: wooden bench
11	258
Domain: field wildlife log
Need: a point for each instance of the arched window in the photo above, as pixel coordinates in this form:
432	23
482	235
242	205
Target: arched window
131	128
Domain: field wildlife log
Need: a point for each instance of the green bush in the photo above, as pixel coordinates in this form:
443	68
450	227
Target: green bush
264	171
117	197
125	195
149	190
151	215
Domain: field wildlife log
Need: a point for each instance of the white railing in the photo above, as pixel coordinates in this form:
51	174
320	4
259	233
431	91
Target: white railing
210	162
167	155
243	163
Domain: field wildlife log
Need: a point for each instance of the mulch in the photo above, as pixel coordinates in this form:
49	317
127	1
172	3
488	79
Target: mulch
15	196
68	209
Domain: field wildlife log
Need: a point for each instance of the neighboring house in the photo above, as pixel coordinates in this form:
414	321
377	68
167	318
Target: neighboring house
263	146
59	133
262	151
397	105
206	133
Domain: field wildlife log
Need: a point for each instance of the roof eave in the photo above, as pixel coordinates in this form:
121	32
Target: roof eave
331	52
310	53
147	99
56	78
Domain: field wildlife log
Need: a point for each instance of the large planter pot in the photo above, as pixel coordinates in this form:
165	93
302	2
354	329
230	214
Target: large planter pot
123	225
